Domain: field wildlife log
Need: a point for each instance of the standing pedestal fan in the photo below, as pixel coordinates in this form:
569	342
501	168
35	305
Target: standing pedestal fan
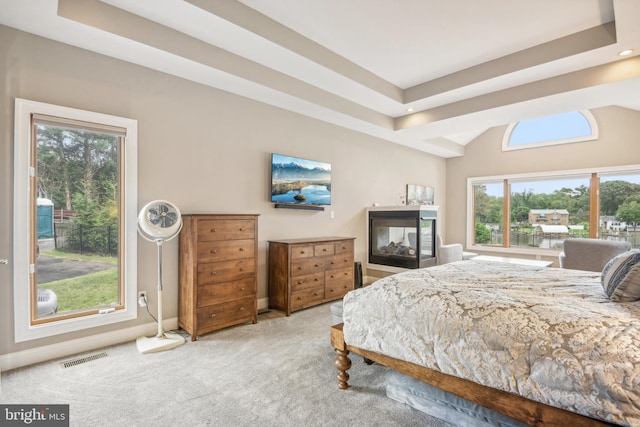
159	221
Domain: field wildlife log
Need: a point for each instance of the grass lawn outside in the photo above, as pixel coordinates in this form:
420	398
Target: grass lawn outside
99	289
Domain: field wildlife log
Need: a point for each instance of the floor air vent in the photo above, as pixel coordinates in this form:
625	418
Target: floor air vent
83	359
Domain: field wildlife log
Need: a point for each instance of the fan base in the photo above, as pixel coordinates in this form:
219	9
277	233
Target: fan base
152	345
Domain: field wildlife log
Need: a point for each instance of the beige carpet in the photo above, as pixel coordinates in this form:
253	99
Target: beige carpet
278	372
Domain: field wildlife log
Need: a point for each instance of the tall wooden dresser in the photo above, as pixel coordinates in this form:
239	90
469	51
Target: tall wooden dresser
308	272
217	272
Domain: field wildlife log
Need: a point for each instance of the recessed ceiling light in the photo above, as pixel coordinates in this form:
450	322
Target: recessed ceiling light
625	52
410	110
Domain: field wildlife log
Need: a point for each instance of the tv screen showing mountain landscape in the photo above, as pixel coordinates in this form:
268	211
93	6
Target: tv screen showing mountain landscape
300	181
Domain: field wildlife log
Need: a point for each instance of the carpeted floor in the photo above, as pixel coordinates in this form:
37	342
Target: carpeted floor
278	372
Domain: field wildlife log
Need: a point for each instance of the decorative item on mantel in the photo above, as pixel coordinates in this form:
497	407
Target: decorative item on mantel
419	195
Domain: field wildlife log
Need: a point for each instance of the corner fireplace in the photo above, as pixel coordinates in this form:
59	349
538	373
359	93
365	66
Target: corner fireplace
402	236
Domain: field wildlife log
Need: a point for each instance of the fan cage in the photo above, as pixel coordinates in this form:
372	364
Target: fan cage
159	219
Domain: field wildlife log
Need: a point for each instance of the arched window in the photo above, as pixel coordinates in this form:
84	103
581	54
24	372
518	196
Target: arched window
574	126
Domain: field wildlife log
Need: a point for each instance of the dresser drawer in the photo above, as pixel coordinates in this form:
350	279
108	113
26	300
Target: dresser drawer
225	229
298	252
222	314
225	250
304	266
306	297
339	274
223	292
345	247
339	261
324	249
337	288
217	272
307	281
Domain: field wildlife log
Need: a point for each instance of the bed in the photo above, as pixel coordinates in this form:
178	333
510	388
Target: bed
544	346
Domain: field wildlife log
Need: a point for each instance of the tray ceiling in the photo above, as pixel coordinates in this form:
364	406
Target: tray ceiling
460	66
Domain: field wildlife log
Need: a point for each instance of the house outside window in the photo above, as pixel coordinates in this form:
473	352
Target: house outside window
549	216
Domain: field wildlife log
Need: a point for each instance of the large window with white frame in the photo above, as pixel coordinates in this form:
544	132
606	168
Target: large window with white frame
74	219
535	213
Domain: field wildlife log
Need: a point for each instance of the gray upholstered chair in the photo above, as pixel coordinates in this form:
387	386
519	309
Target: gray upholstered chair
451	252
447	253
590	254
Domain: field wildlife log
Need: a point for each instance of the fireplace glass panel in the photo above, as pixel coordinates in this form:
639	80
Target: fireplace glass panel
402	238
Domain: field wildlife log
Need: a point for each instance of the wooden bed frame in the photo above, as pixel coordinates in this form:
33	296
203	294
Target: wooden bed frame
517	407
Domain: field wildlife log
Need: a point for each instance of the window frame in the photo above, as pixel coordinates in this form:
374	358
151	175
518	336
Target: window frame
506	139
25	328
563	174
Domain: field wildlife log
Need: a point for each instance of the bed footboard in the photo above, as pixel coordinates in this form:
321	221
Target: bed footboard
517	407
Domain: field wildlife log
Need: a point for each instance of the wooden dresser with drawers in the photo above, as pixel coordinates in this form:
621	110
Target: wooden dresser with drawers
308	272
217	267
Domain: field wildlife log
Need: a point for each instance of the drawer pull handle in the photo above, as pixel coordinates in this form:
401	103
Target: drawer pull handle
241	249
213	230
213	273
213	315
300	268
315	294
241	308
241	289
332	262
333	277
316	279
324	249
242	229
242	268
300	282
317	265
302	252
214	251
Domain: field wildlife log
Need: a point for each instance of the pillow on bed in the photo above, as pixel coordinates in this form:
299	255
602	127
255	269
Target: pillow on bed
621	277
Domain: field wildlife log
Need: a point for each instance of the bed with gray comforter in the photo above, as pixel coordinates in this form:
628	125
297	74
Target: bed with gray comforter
547	334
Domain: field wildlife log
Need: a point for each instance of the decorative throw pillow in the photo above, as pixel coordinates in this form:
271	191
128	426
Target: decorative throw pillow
621	277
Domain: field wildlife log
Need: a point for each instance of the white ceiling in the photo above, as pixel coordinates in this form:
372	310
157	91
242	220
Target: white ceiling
463	66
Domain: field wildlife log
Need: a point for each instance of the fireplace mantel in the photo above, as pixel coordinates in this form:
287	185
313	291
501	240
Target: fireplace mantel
404	208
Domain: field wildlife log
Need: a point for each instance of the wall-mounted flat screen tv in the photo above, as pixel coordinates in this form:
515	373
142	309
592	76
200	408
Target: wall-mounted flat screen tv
299	181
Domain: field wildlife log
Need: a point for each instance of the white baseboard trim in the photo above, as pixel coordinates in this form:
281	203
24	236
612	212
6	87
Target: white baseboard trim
79	345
